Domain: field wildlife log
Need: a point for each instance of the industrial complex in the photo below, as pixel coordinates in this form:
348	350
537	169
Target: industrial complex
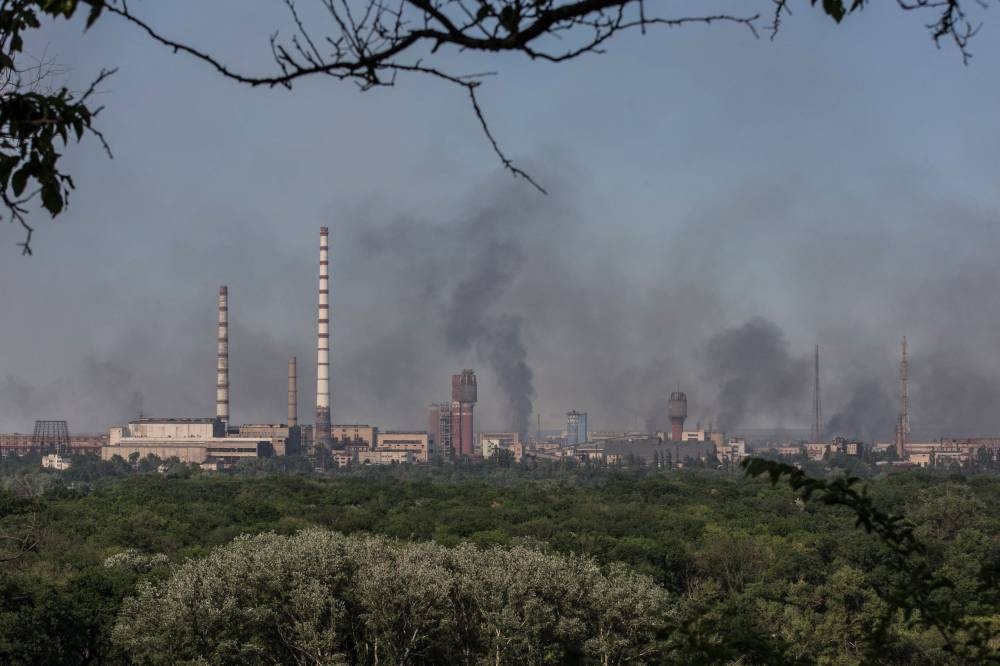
451	435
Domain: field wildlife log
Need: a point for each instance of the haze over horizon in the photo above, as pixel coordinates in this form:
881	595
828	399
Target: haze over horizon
712	216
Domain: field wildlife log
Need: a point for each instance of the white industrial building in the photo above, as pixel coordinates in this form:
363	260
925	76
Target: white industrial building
189	440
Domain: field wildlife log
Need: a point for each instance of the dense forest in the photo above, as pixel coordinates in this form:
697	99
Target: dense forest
121	563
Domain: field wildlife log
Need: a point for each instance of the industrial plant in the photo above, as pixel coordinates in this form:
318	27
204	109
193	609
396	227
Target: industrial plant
451	435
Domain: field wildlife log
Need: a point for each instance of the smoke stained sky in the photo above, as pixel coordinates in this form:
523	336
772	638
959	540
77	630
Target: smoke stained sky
836	186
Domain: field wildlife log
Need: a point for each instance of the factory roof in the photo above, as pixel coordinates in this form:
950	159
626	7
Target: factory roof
150	420
644	447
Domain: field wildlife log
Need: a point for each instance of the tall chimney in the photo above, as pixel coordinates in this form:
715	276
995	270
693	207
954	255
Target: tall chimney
322	434
293	397
222	362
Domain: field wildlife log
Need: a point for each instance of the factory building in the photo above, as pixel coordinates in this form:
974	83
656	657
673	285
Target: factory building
415	442
950	451
463	401
733	451
285	440
385	457
490	443
576	428
190	440
360	435
24	443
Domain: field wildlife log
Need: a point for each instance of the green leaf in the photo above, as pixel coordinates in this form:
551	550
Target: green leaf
835	9
7	165
52	199
509	18
20	180
95	13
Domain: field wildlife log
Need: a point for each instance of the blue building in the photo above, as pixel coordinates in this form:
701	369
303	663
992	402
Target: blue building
576	428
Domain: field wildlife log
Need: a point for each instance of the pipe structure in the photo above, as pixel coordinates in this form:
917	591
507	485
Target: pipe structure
293	397
222	362
322	433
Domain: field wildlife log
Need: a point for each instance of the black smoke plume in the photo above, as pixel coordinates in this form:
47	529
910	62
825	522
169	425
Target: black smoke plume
759	380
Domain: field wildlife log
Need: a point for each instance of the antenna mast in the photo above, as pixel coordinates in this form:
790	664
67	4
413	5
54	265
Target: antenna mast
903	425
817	433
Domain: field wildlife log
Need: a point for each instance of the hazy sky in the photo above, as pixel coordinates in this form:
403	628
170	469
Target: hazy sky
719	204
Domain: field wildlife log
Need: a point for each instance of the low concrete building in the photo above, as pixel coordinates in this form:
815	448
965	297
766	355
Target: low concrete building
732	451
284	440
55	461
383	457
189	440
212	449
342	458
22	443
817	450
344	436
416	442
491	445
489	441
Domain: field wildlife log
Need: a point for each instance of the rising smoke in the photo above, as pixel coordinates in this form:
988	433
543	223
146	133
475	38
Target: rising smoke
558	309
759	380
474	262
867	415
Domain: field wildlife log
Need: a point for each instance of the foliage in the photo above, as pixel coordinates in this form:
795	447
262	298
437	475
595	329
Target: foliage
319	597
914	590
36	119
751	572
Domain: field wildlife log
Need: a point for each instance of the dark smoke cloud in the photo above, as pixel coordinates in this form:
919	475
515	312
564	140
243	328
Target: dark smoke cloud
868	415
951	396
759	380
460	274
555	311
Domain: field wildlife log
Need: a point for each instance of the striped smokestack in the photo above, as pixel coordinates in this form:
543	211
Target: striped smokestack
222	364
322	434
293	398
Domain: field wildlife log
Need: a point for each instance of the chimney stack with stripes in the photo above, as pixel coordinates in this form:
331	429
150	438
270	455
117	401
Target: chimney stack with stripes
293	398
322	427
222	365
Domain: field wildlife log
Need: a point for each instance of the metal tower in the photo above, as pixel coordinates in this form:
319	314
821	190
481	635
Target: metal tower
817	429
903	423
51	436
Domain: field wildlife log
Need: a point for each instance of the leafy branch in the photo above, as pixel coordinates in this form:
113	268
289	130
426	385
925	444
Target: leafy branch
915	592
36	121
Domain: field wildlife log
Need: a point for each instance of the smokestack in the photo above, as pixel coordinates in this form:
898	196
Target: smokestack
322	434
463	401
293	397
677	410
222	363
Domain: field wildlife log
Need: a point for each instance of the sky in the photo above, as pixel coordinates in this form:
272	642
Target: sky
718	205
